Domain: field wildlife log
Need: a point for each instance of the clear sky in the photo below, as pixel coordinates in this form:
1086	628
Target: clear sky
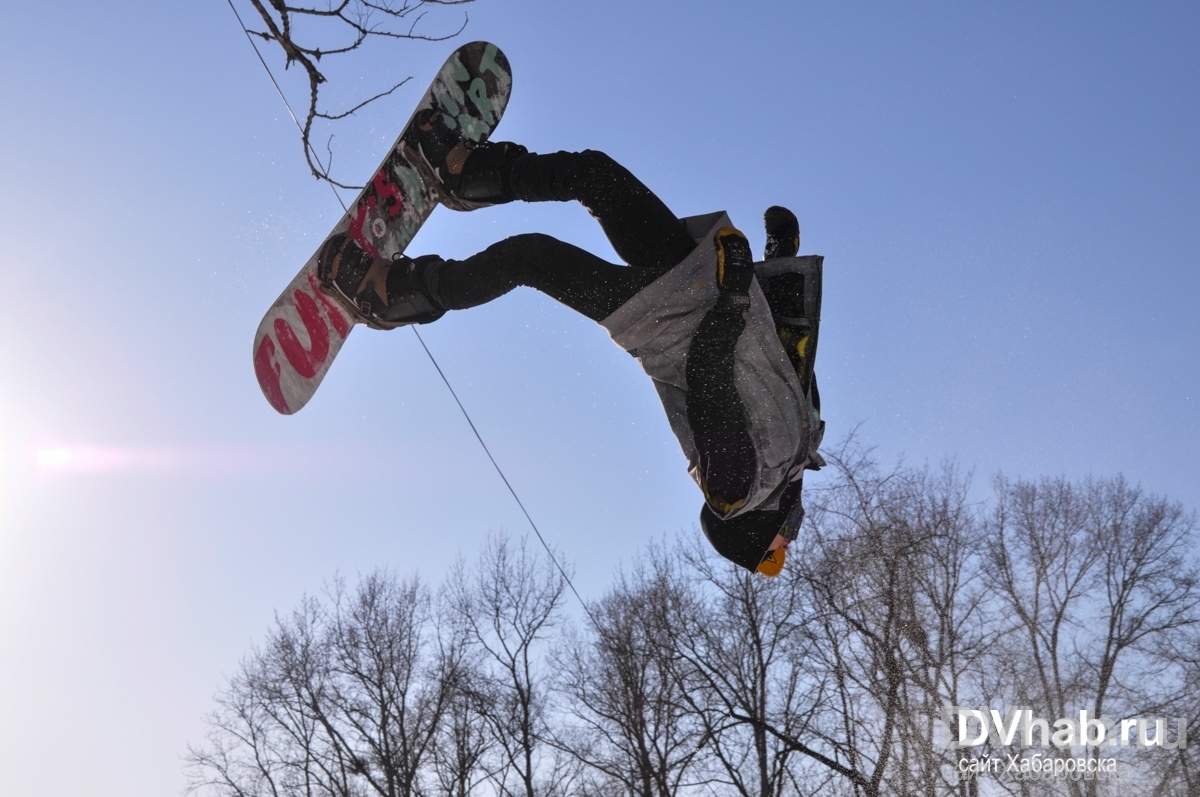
1008	201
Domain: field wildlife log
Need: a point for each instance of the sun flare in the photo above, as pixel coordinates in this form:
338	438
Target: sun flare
95	459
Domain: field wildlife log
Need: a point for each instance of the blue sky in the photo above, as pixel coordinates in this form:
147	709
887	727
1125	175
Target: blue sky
1008	200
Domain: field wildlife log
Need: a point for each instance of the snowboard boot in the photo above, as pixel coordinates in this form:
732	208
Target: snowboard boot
503	171
783	233
468	176
483	179
380	293
735	268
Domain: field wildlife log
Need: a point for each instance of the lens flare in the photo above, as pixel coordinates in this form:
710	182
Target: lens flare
54	459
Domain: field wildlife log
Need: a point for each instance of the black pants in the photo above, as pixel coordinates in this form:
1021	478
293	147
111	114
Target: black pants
652	240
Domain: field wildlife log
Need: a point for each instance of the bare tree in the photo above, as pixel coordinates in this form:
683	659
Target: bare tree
509	604
899	619
345	699
900	601
633	727
463	745
309	32
1102	583
743	657
1178	774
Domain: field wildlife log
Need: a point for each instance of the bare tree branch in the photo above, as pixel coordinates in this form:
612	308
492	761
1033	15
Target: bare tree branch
353	22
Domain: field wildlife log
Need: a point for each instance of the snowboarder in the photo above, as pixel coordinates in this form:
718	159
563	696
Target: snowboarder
732	365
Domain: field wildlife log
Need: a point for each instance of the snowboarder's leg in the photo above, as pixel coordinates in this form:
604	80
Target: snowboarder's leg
643	231
573	276
385	294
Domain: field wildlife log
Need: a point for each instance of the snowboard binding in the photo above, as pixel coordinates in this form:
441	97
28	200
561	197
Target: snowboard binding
467	175
381	294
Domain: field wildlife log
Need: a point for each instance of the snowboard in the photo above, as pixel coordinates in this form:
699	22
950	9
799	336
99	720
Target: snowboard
304	329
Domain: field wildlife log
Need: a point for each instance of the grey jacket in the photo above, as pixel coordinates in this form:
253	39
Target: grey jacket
657	326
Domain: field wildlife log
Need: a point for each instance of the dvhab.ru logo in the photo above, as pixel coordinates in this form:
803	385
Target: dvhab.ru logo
976	727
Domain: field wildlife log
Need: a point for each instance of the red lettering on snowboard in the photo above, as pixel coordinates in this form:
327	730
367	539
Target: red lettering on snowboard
356	225
385	191
388	193
305	361
267	371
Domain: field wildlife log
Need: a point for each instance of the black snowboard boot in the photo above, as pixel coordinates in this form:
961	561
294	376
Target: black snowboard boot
468	176
783	233
735	268
482	179
382	294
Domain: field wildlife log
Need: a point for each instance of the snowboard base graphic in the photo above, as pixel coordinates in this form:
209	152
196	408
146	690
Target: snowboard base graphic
304	329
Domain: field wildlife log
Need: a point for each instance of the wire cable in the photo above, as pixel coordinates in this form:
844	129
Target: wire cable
504	478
